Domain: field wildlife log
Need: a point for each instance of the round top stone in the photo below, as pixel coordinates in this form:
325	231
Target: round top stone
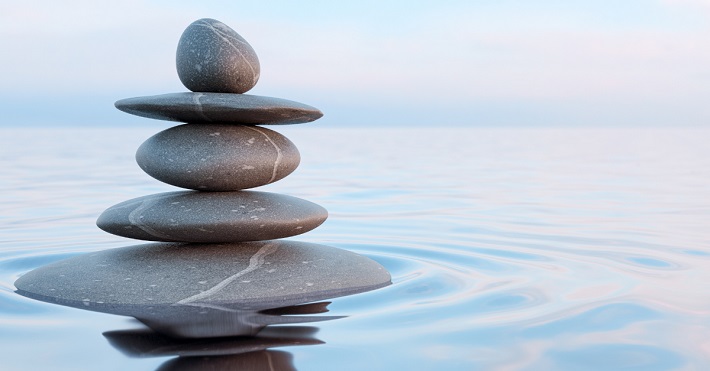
211	57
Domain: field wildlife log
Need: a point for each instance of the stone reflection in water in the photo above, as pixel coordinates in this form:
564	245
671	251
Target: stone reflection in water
144	343
267	360
206	290
235	353
205	322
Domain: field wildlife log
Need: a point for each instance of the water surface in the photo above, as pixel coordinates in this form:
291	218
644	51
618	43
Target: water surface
509	248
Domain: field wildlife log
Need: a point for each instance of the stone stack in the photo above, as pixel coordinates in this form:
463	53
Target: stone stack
219	265
219	152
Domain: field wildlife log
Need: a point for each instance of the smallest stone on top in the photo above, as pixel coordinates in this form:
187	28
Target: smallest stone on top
212	57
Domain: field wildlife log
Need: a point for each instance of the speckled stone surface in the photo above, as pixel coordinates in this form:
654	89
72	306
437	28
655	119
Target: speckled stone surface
220	107
193	290
212	217
211	57
218	157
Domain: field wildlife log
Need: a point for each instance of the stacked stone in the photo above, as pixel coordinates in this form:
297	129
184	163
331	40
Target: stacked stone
219	152
224	265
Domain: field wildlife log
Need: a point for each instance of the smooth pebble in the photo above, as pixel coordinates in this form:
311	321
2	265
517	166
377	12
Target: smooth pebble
212	217
212	57
220	107
192	290
218	157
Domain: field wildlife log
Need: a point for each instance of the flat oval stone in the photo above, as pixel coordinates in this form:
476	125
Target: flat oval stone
197	290
220	107
218	157
212	217
211	57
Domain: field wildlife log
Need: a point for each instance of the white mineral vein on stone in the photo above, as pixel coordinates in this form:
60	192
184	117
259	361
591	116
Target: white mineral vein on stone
279	156
134	217
198	106
226	37
255	262
211	306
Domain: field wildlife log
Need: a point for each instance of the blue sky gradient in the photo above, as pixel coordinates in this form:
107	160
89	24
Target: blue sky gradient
372	63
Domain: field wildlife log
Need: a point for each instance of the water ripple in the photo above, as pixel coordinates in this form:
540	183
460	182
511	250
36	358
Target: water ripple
511	257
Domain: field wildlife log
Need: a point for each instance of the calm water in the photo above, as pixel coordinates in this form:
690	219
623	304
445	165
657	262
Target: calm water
510	249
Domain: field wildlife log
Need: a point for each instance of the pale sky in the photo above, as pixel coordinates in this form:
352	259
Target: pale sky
376	63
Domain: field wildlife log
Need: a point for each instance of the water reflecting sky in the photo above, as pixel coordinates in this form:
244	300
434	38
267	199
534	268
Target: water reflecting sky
509	249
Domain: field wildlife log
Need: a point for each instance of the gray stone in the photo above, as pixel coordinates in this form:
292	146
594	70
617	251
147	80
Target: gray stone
220	107
211	57
212	217
193	290
218	157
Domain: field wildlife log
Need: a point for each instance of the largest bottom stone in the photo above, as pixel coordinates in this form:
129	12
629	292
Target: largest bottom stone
204	290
